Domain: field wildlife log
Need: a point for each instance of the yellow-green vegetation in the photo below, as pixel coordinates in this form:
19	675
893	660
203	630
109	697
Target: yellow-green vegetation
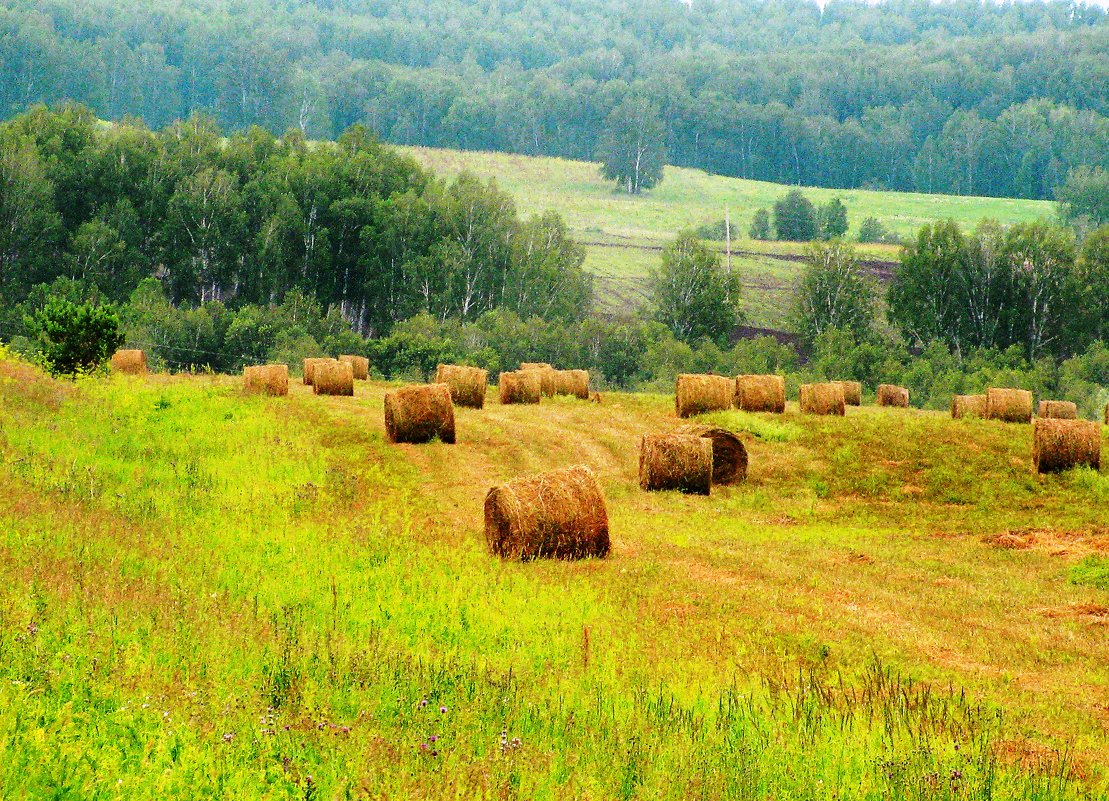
205	593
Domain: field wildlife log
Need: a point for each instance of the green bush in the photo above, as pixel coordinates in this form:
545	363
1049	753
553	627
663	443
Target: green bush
74	338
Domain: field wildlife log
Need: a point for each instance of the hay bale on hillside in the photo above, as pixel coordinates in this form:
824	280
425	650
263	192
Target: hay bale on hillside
572	382
548	376
310	366
890	395
852	392
695	394
466	384
968	406
360	365
760	393
419	414
1063	444
332	377
129	362
522	386
1059	410
824	398
559	515
535	366
680	462
1009	405
267	379
729	455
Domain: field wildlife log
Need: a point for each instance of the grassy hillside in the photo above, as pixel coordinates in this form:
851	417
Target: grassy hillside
207	594
623	232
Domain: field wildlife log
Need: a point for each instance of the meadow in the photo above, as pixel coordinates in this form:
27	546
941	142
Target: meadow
204	593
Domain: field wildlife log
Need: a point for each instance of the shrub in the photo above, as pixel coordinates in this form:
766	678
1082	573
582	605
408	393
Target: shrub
74	338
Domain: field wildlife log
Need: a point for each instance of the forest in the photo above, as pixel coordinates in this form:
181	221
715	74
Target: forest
961	97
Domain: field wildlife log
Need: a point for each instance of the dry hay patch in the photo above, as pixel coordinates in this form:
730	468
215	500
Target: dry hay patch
1088	612
1057	542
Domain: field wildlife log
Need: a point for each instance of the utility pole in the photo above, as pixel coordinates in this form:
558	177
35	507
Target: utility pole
728	235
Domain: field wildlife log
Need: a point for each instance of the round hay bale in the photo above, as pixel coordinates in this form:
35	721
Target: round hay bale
823	399
129	362
729	455
332	377
560	514
522	386
890	395
267	379
572	382
675	461
968	406
1059	410
359	364
467	384
548	376
1009	405
760	393
535	366
309	366
1063	444
419	414
695	394
852	392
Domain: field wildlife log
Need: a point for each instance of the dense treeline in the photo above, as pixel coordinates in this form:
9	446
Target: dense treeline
972	98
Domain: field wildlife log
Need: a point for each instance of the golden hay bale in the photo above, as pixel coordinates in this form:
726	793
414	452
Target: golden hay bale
548	376
467	384
267	379
968	406
1009	405
675	461
535	366
760	393
310	366
129	362
1060	410
572	382
1063	444
852	392
694	394
823	399
332	377
359	364
419	414
560	514
523	386
890	395
729	455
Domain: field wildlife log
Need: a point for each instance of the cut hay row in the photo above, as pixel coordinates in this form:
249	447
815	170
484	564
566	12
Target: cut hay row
852	392
1062	444
129	362
267	379
760	393
360	365
675	461
560	514
333	377
729	455
466	384
890	395
696	394
1009	405
1059	410
419	414
522	386
823	399
968	406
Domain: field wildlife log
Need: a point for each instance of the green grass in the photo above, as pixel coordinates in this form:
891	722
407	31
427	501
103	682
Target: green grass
204	594
1093	571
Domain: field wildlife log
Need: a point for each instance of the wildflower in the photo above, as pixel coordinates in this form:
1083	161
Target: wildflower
228	737
433	738
442	710
423	703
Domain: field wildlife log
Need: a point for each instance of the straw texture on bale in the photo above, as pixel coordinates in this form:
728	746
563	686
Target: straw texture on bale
359	364
1063	444
852	392
419	414
729	455
1060	410
523	386
890	395
694	394
548	376
466	384
1009	405
572	382
760	393
130	362
310	366
968	406
535	366
680	462
559	515
823	399
332	377
267	379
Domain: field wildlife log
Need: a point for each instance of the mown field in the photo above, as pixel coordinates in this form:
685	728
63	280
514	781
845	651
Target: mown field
204	594
623	233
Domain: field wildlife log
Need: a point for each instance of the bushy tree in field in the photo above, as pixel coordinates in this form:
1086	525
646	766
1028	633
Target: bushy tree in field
795	218
832	219
834	293
1084	196
760	225
692	295
872	230
74	338
632	145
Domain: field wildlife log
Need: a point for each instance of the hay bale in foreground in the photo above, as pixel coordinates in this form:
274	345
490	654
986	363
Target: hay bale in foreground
572	382
1009	405
760	393
129	362
1063	444
419	414
968	406
309	368
1059	410
466	384
824	398
360	365
267	379
522	386
852	392
890	395
332	377
729	455
680	462
694	394
559	515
